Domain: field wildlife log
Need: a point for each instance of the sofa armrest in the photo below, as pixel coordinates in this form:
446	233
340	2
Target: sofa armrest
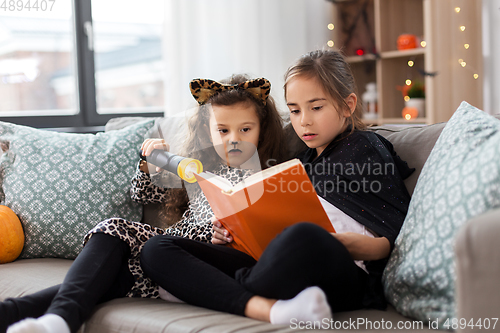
478	268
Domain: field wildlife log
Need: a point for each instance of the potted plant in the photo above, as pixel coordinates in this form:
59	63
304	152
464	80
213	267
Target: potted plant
416	90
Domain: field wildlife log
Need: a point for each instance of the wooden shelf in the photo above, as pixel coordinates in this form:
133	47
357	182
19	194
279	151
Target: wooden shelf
434	21
402	53
363	58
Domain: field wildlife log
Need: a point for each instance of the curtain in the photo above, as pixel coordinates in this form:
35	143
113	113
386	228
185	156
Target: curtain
491	54
216	38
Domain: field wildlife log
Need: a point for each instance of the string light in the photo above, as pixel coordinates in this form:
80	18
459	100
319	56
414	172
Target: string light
408	83
330	43
423	43
465	45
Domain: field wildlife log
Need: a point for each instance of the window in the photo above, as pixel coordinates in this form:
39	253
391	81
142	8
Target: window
79	63
128	57
33	50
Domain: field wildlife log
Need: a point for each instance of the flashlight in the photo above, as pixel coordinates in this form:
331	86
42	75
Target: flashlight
181	166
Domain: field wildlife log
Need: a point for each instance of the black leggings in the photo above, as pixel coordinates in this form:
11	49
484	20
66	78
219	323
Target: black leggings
100	273
224	279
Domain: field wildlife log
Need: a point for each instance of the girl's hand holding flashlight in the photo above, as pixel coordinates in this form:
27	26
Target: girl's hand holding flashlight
155	152
148	146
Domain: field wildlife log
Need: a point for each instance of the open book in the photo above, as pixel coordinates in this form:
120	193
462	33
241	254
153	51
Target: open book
257	209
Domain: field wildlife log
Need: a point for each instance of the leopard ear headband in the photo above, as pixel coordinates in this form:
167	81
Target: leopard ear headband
203	89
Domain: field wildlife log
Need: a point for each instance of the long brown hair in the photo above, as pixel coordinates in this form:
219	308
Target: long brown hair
271	147
334	74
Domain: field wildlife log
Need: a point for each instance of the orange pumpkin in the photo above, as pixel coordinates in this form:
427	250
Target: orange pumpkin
11	235
407	41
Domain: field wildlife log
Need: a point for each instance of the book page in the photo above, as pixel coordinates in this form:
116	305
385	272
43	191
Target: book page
264	174
222	183
226	186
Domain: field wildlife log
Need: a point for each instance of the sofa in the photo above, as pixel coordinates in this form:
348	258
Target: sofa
475	249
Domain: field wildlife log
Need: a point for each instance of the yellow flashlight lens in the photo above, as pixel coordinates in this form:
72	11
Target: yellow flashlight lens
187	167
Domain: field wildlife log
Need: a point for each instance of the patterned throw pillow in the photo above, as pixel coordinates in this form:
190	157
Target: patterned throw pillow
61	184
460	179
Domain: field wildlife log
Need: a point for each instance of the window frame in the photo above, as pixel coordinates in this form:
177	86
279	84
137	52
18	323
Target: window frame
86	86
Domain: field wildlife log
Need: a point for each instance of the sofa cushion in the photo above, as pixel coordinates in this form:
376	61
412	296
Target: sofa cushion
173	129
413	145
155	315
460	180
61	184
478	268
143	315
27	276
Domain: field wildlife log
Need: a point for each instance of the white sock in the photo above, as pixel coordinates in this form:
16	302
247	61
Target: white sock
165	295
28	325
49	323
309	305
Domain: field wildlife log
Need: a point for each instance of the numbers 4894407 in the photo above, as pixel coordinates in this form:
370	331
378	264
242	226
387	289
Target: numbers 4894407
462	323
26	5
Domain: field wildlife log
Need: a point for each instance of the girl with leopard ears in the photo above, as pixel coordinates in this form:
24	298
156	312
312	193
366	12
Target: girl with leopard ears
238	88
235	90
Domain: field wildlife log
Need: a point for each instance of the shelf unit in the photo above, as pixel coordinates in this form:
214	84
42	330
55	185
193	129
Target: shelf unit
374	27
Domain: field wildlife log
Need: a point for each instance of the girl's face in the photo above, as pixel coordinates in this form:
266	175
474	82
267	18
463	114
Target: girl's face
313	113
234	130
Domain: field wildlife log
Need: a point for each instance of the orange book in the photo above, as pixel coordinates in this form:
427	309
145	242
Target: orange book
258	208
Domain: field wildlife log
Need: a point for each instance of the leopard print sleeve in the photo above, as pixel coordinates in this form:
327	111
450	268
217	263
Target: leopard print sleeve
144	190
190	227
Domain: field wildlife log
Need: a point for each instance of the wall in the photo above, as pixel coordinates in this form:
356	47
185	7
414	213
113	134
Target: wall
213	39
491	53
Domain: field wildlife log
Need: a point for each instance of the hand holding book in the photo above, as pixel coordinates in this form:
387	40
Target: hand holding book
220	235
256	210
